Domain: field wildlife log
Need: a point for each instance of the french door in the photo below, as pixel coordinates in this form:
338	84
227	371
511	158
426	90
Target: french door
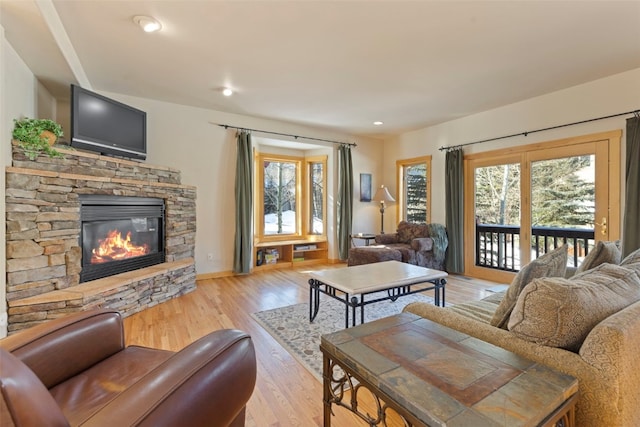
522	202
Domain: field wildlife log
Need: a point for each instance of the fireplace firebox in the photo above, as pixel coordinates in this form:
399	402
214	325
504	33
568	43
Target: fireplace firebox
120	234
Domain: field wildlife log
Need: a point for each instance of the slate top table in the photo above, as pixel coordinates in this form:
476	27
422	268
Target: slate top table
432	375
351	285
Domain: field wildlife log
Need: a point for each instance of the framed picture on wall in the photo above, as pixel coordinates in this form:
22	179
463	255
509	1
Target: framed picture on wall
365	187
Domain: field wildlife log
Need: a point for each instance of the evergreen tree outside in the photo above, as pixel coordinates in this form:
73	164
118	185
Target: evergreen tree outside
563	192
416	193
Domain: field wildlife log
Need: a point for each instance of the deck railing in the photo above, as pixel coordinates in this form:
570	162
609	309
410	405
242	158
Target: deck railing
498	246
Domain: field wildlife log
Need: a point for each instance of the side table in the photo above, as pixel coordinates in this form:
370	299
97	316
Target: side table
363	236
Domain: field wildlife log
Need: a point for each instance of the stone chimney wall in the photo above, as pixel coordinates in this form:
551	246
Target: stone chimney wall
43	218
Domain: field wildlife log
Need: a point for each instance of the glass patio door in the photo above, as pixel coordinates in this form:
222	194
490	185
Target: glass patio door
497	214
526	203
563	205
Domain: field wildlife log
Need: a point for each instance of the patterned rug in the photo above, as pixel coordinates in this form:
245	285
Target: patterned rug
291	328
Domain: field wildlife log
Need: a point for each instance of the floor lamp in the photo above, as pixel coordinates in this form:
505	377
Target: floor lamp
382	195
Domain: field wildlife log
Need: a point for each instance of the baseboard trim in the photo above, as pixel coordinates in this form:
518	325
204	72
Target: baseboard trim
214	275
220	274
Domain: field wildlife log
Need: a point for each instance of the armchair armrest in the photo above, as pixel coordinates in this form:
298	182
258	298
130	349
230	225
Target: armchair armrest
206	383
57	350
386	239
422	244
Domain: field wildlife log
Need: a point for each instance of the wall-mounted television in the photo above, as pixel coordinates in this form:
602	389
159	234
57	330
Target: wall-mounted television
107	126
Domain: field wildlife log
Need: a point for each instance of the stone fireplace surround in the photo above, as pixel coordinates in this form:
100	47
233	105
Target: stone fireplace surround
43	230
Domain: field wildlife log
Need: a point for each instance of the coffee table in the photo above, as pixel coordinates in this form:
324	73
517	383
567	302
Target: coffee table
431	375
351	285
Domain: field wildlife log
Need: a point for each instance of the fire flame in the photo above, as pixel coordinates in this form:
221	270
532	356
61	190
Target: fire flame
114	248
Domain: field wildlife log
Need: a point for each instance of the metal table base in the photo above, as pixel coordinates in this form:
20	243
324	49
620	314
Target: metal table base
358	300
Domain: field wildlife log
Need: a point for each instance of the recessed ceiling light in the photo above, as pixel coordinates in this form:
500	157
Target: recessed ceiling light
147	23
227	92
377	123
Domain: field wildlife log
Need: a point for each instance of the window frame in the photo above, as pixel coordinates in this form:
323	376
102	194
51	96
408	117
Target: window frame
303	199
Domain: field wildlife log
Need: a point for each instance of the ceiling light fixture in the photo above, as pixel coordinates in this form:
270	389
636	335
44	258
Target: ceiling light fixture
227	92
377	123
147	23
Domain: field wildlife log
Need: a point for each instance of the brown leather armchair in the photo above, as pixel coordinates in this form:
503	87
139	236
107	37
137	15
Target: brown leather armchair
76	370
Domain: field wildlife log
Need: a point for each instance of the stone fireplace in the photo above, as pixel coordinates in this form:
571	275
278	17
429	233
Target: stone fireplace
53	205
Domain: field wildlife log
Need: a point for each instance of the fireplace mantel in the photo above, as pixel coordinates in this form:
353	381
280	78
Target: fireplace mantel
43	229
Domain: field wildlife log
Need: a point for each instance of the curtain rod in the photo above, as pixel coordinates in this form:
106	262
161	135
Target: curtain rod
285	134
635	112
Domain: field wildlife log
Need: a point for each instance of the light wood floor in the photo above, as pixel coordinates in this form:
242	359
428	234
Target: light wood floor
286	394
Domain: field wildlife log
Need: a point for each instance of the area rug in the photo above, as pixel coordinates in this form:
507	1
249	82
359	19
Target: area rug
290	325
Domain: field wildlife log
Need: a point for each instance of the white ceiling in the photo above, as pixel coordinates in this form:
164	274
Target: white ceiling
338	65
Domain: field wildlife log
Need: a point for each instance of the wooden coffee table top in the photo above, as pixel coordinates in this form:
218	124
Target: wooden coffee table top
375	277
445	377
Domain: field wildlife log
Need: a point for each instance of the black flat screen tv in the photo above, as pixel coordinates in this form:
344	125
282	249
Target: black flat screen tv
107	126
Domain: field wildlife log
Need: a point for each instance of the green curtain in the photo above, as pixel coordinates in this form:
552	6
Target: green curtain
631	228
454	210
345	200
244	204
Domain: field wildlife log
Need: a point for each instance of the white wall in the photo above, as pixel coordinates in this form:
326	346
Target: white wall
46	104
184	138
17	99
366	215
615	94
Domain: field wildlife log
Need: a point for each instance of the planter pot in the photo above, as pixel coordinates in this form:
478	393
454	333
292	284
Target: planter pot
49	136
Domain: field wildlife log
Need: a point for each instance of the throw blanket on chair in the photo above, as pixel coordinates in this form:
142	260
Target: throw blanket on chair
438	233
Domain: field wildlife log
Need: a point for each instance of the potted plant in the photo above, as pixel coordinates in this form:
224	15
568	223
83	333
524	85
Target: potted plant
37	136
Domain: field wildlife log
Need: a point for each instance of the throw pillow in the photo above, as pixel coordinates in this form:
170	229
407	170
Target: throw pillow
608	252
553	263
632	260
559	312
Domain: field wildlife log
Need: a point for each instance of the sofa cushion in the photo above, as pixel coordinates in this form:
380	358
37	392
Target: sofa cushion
604	252
101	383
408	231
481	310
553	263
561	312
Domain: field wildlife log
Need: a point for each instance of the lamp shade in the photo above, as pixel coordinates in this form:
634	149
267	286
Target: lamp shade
382	195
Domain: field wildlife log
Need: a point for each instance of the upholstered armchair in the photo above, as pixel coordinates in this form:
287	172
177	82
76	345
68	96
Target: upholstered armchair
418	244
76	370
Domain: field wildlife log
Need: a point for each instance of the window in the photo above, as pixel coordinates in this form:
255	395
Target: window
316	171
414	192
524	201
291	201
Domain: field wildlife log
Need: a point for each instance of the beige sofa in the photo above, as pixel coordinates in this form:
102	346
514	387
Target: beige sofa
588	326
